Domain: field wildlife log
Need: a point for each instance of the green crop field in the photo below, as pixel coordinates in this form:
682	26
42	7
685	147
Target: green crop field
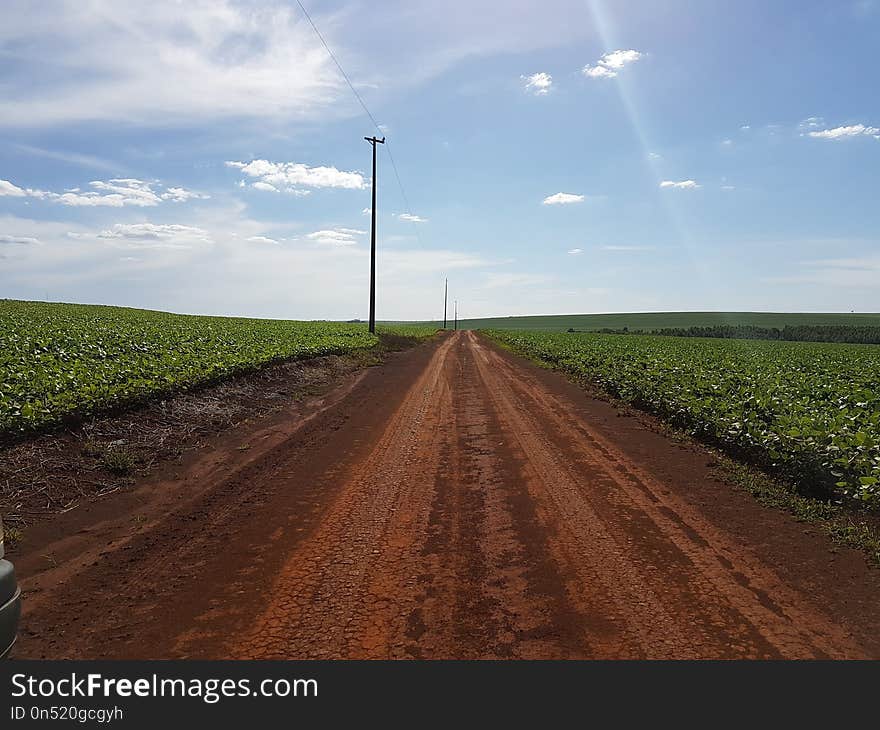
64	360
811	410
660	320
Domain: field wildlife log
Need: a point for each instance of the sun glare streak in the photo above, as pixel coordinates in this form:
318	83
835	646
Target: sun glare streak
652	161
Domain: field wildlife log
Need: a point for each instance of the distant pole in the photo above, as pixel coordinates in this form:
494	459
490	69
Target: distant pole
373	141
445	292
456	315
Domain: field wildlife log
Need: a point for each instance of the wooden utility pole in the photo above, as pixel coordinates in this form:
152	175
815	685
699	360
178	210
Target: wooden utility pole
445	292
456	314
373	141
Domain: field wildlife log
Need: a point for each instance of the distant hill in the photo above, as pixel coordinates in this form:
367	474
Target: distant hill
660	320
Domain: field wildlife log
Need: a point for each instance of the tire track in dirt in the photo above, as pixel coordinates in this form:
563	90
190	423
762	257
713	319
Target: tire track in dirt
491	590
425	553
330	597
681	587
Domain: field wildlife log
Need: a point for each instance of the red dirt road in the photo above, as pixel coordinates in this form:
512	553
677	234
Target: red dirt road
456	502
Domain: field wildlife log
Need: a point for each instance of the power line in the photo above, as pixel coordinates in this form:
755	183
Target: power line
338	65
402	191
366	110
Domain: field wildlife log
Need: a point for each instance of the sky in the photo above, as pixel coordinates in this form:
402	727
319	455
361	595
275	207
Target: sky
562	156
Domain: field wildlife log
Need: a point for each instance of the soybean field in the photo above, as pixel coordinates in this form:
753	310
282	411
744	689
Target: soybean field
63	360
811	410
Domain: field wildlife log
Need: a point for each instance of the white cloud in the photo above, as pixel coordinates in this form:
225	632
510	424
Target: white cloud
165	61
599	72
264	186
681	184
114	193
575	251
335	237
367	211
538	83
287	176
854	130
727	142
262	239
181	195
654	156
618	59
154	235
412	218
608	66
7	188
562	199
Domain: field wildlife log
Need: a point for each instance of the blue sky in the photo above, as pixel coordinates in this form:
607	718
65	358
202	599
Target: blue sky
561	156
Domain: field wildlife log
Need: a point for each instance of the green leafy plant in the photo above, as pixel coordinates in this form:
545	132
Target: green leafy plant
808	410
63	361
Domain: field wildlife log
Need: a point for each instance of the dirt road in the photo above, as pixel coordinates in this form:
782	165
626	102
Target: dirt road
454	503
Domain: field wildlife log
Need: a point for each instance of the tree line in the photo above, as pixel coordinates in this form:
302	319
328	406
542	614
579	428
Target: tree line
854	334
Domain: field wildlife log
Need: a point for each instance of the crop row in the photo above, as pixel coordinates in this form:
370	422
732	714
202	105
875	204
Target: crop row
64	360
810	410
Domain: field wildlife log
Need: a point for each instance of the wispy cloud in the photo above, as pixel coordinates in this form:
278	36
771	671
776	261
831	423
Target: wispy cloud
114	193
262	240
608	65
575	251
155	235
810	124
563	199
679	184
411	218
292	177
538	84
265	187
852	272
114	62
18	240
335	237
74	158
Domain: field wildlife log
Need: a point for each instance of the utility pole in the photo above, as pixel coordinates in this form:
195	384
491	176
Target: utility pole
456	315
373	141
445	292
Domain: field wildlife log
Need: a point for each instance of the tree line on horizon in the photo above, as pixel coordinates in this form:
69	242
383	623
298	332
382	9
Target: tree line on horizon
849	334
